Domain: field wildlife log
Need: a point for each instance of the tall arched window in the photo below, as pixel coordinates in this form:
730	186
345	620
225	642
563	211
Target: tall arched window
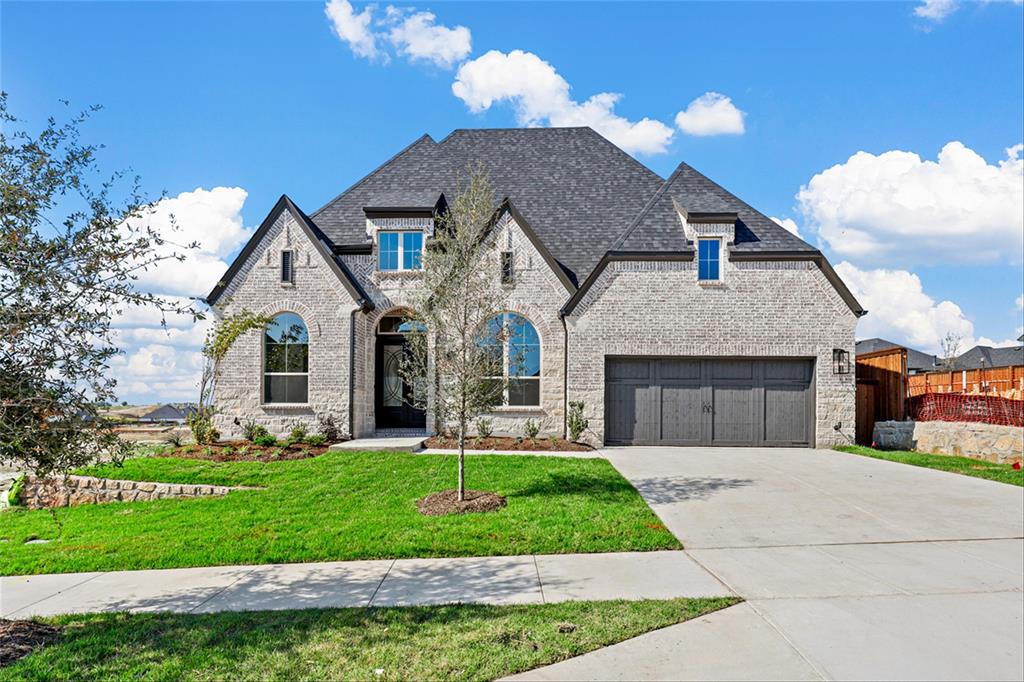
515	346
286	360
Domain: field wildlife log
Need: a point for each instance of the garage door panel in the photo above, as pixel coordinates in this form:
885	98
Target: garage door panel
681	413
733	416
785	414
709	401
632	413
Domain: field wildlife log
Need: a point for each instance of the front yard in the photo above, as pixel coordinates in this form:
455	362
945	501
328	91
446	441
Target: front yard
465	642
1004	473
338	506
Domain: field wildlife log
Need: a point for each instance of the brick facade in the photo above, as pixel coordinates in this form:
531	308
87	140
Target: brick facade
758	309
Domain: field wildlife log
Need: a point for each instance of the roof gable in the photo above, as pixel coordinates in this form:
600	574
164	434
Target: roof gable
316	238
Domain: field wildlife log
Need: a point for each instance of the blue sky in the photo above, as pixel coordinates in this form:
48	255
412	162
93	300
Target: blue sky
279	98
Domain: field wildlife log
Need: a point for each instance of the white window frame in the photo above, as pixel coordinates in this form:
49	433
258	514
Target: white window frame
720	272
264	373
401	249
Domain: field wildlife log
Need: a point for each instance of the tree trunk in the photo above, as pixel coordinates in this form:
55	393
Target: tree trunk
462	462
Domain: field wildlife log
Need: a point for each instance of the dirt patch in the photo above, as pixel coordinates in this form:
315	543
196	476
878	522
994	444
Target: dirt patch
447	502
19	638
244	451
509	443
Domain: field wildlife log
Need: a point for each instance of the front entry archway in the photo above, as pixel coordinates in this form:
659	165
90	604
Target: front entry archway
393	399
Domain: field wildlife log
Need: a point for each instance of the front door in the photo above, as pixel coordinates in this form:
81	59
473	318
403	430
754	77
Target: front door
394	398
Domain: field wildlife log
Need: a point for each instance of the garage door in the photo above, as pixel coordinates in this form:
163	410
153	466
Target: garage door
687	401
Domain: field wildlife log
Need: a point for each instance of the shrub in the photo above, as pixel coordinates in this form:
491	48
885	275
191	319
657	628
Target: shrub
244	450
279	453
251	430
531	428
316	440
208	451
266	440
484	427
577	422
202	428
298	433
174	439
329	428
227	450
14	494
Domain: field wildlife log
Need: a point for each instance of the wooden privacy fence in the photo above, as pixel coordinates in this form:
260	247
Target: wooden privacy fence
1006	382
881	389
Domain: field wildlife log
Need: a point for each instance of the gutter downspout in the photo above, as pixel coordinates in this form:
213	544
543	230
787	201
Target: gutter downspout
352	372
565	380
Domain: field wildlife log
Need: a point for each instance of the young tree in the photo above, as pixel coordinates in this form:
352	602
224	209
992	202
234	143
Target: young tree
219	341
69	258
949	346
458	353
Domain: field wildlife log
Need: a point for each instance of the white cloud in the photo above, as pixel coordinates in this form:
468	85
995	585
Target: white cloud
936	10
788	224
541	96
897	208
414	35
420	39
711	114
354	29
1020	302
210	218
158	372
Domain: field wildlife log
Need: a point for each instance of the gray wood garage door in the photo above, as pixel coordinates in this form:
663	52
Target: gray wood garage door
684	401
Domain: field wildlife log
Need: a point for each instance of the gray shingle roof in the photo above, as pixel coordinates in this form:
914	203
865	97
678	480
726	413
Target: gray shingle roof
577	190
916	360
987	356
657	228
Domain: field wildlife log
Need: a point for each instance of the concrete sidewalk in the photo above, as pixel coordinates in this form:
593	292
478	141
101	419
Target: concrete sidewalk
489	580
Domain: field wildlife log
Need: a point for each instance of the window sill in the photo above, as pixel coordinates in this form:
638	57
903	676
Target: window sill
518	409
711	283
285	406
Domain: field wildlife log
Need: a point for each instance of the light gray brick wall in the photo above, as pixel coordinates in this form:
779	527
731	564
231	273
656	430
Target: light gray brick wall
769	309
536	294
319	297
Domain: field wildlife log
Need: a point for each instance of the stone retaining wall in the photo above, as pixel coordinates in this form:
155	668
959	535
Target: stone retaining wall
990	442
42	493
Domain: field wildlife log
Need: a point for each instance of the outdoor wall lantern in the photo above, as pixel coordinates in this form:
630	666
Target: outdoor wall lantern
840	361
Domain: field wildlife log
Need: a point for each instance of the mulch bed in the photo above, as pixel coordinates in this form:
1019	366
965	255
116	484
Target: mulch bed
19	638
244	451
447	502
509	443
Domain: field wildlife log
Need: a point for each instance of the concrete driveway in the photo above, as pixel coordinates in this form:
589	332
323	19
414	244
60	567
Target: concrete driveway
852	568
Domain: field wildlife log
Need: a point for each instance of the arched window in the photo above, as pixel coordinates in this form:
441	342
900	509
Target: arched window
286	360
515	348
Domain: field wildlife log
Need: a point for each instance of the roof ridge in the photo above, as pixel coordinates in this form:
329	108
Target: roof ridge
646	209
718	189
424	137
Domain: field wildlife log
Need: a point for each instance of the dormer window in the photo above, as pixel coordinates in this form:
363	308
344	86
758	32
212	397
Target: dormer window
400	251
708	260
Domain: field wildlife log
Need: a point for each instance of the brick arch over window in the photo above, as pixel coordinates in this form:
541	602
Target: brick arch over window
300	309
378	314
535	315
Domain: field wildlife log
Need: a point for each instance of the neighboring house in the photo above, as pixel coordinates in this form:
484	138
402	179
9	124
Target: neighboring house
675	311
917	362
169	413
984	357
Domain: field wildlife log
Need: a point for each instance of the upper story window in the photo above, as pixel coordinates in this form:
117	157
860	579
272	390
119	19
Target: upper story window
708	259
400	250
286	360
288	267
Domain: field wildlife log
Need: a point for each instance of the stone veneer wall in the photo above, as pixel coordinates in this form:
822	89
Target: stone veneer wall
990	442
43	493
323	303
537	294
758	309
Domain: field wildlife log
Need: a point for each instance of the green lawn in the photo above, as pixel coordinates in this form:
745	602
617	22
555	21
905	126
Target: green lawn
463	642
1004	473
336	507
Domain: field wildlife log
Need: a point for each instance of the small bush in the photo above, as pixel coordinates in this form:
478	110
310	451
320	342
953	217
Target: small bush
577	422
244	450
329	428
279	453
266	440
227	450
298	433
251	430
484	427
316	440
14	494
531	428
202	428
208	451
553	440
174	439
